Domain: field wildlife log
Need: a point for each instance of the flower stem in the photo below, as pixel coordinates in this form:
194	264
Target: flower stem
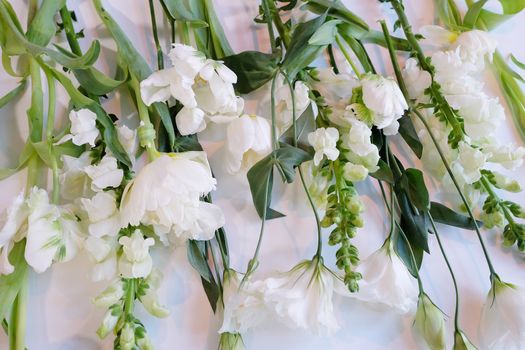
146	129
318	253
71	36
506	212
456	313
160	59
331	58
17	322
347	55
273	112
51	90
269	23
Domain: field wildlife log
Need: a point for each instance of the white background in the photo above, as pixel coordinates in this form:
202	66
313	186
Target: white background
60	313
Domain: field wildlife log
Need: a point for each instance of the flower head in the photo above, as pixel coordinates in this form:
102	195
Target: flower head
462	342
430	323
83	128
324	142
104	174
136	261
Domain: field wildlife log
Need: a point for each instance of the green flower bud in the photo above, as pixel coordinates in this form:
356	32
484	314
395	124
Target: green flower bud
144	343
506	183
355	206
326	222
108	323
110	295
494	219
462	342
231	341
358	221
127	337
430	323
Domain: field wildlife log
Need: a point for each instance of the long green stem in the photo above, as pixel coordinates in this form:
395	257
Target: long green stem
17	322
456	313
316	215
51	91
147	133
275	144
345	52
268	17
160	59
71	36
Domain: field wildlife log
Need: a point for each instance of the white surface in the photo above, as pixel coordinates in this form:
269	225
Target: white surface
60	313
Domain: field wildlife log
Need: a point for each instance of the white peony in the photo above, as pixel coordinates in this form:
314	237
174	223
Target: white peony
450	66
416	79
244	307
386	281
324	142
104	174
248	139
430	323
302	297
502	324
166	194
83	128
474	46
383	96
104	219
135	262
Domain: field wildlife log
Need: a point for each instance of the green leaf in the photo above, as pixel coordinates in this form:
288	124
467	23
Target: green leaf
444	215
384	173
413	223
260	178
304	125
43	27
517	62
336	8
12	94
253	69
10	284
472	15
413	182
489	20
178	11
288	158
409	134
371	36
405	251
196	251
325	35
221	45
9	26
300	54
212	291
24	157
135	63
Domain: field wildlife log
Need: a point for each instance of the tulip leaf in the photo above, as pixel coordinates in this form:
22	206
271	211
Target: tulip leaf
325	35
413	183
335	8
384	173
473	13
409	134
178	10
489	20
197	256
444	215
10	284
253	69
220	43
43	27
517	62
12	94
9	26
212	291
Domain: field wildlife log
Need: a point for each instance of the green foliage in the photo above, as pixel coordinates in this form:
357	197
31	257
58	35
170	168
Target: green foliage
253	69
444	215
11	95
409	134
11	284
43	26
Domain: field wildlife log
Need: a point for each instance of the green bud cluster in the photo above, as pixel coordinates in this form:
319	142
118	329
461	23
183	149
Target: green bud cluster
344	210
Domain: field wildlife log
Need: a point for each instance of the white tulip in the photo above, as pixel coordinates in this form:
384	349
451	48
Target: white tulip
248	139
474	46
103	253
387	282
324	142
190	120
244	307
187	60
150	299
103	215
104	174
74	182
430	323
83	128
417	80
502	324
160	86
136	261
15	216
383	96
302	297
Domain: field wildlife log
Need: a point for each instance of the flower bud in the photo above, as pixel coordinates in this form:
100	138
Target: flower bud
109	323
110	295
354	205
461	342
326	222
354	172
127	337
358	221
144	343
430	323
506	183
495	219
231	341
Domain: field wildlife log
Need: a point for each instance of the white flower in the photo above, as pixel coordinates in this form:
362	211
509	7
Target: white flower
104	219
166	194
83	128
136	261
128	139
324	142
104	174
248	139
103	252
462	342
437	36
358	142
190	120
417	80
354	172
474	46
507	155
387	281
74	182
163	84
150	300
383	96
430	323
302	297
243	305
502	324
108	324
15	217
111	295
449	66
317	184
469	163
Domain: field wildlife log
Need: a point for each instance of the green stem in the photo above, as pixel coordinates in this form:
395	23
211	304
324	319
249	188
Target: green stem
273	112
148	140
316	215
184	32
506	212
160	59
69	29
129	302
281	28
51	90
32	8
268	17
393	58
17	322
331	58
347	55
456	313
35	112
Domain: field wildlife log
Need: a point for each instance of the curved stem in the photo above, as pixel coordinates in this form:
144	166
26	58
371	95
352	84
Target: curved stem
275	144
160	59
456	313
269	23
51	90
347	55
331	58
316	215
17	322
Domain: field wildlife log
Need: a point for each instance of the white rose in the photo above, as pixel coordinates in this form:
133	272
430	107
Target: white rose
83	128
324	142
136	261
104	174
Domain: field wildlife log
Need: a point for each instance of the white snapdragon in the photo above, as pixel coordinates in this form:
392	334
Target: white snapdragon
359	144
248	140
383	97
387	282
111	295
417	80
74	182
354	172
470	161
507	155
104	219
103	253
502	324
135	262
430	323
302	297
83	128
104	174
166	194
15	217
150	299
324	142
